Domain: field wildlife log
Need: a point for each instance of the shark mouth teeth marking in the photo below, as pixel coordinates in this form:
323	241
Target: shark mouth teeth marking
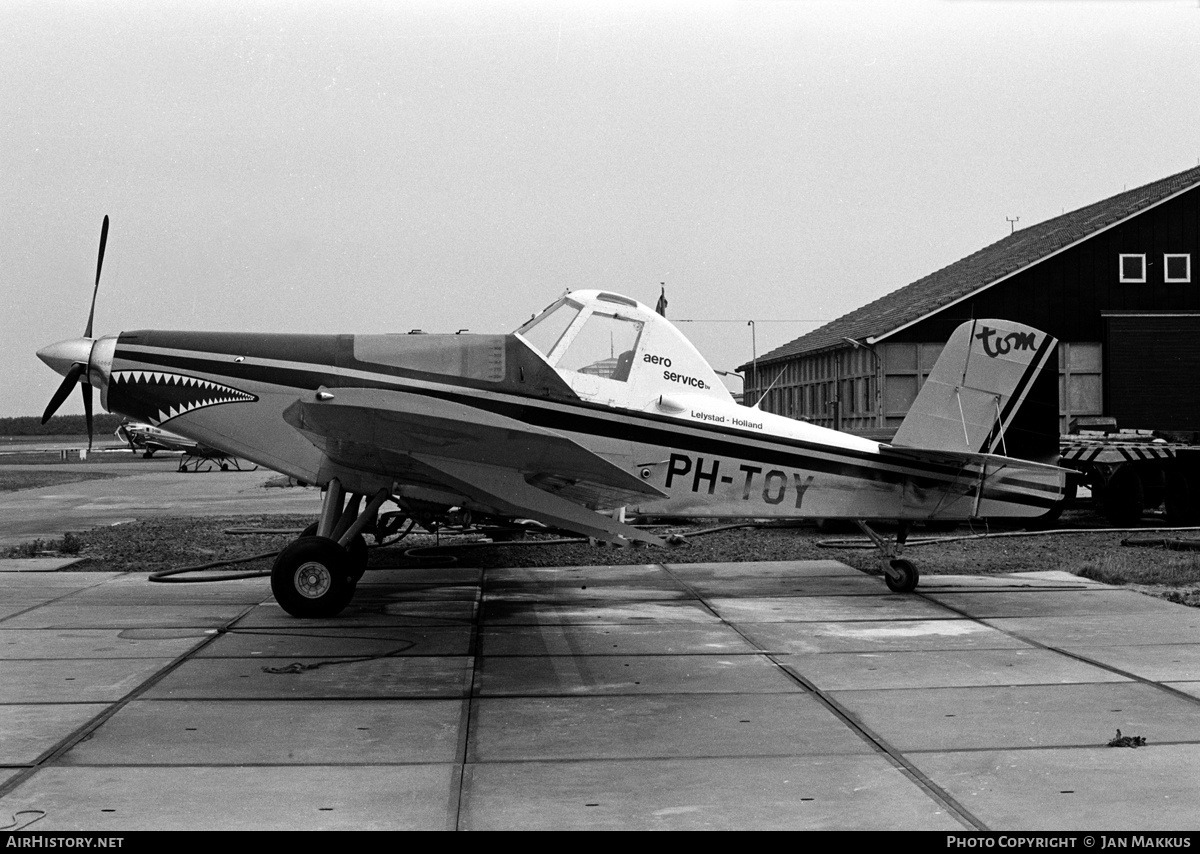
157	396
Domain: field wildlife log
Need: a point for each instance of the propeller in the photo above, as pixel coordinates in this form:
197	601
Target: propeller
79	370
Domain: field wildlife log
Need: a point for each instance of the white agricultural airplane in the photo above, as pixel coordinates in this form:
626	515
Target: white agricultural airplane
596	404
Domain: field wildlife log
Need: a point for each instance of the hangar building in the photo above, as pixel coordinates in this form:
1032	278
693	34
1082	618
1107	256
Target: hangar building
1114	281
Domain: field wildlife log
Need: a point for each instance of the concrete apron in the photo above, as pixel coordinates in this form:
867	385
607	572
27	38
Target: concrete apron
48	512
733	696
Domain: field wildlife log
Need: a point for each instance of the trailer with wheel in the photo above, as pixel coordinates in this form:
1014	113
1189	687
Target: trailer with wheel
1132	471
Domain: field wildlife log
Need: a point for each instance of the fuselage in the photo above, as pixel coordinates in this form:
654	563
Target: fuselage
710	456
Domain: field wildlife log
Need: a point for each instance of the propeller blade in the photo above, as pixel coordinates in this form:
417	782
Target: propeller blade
58	355
87	333
87	411
72	376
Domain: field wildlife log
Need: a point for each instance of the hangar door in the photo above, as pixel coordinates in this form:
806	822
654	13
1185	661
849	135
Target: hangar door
1152	365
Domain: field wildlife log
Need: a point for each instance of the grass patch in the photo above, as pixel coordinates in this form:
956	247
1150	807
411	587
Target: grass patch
12	481
1164	567
70	544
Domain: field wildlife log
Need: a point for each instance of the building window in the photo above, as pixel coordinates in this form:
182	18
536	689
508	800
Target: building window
1133	268
1177	268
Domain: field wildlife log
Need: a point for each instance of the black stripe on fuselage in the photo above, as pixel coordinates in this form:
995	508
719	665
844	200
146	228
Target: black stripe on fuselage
590	419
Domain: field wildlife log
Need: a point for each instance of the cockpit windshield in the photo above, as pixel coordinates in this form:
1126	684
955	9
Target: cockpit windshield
602	346
544	331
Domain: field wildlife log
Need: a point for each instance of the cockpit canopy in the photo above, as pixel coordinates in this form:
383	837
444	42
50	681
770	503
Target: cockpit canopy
602	343
595	339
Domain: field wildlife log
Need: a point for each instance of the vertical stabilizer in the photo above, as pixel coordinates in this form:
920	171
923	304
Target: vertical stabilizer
976	387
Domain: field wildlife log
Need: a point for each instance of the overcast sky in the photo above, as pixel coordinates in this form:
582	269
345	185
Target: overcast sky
384	166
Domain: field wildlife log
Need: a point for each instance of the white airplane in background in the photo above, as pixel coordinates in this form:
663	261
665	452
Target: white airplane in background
148	440
596	404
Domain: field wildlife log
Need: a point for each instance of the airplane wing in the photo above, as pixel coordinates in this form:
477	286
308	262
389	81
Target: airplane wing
517	468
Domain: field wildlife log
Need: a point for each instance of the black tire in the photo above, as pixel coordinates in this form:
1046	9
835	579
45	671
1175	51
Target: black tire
908	582
357	551
1124	497
1180	500
312	578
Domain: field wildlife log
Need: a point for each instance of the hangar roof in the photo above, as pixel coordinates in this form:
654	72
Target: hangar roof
982	269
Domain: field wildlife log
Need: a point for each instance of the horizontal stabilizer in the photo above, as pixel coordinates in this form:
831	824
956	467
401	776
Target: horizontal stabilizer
995	485
961	459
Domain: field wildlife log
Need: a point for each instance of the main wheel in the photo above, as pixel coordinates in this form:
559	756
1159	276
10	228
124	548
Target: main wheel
357	551
908	576
312	578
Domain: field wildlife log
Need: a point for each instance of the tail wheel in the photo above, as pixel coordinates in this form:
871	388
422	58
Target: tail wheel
906	576
312	578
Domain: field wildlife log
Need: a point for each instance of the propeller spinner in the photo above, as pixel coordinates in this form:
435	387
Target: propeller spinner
73	358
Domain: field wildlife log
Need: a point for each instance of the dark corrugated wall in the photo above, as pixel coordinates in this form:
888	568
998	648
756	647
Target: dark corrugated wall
1152	371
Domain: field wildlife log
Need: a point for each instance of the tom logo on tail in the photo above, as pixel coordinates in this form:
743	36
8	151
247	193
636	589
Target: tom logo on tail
596	408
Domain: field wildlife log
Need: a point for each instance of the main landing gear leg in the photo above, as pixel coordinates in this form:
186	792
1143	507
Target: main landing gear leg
899	574
316	575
